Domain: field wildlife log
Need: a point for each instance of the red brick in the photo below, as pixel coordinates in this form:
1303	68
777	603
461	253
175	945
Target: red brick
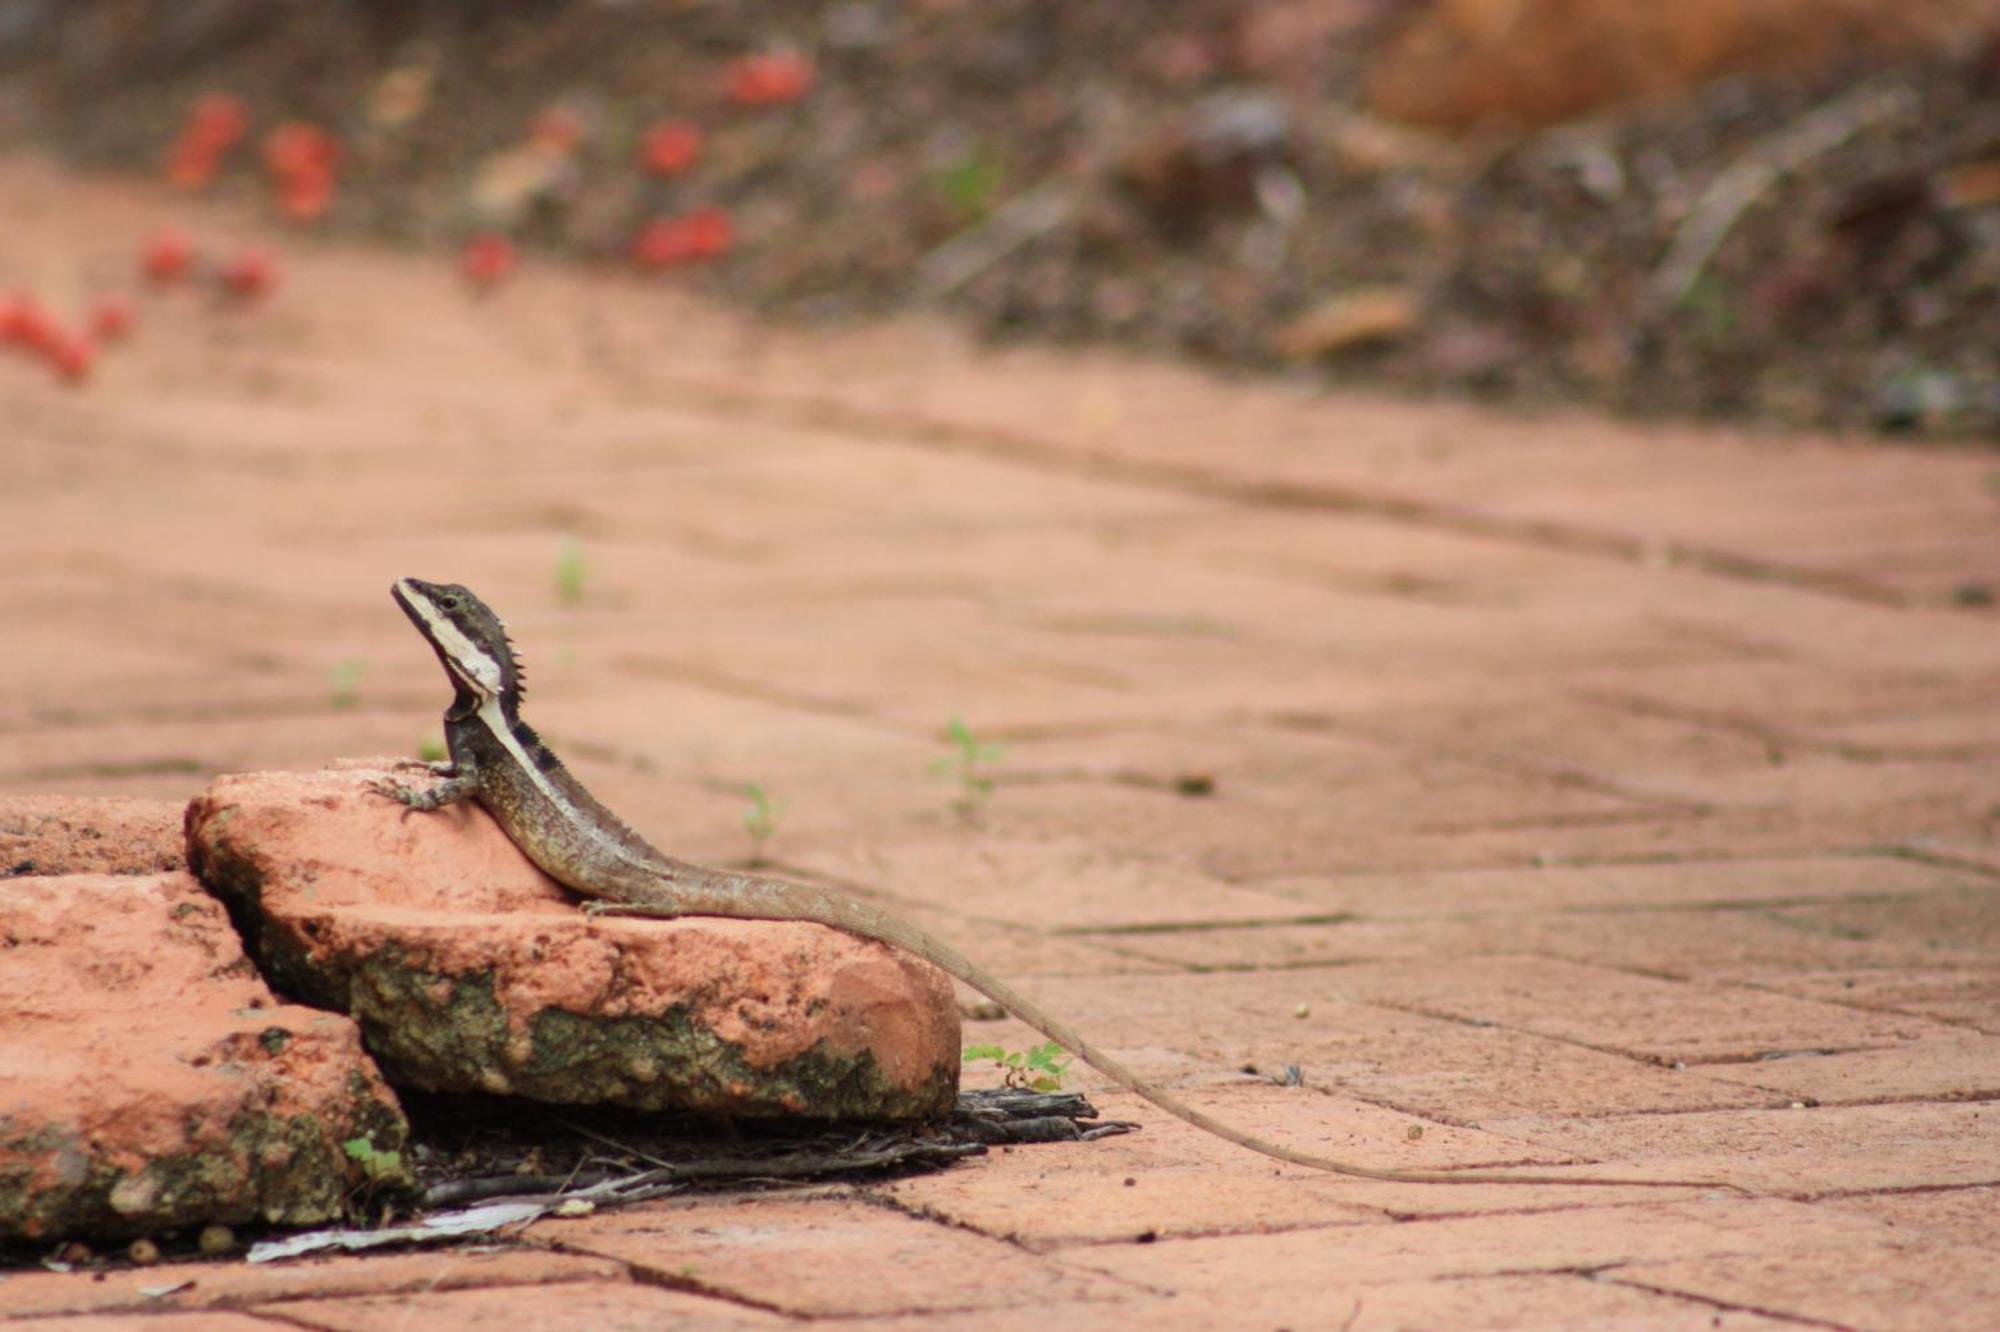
1308	1262
1748	944
1940	922
1948	1216
1831	1149
823	1257
1950	1066
1452	1072
1955	991
1683	882
1950	991
1053	882
1942	734
154	1082
156	1322
1890	1286
1173	1180
586	1306
1153	1184
1490	1304
1637	1015
82	836
238	1285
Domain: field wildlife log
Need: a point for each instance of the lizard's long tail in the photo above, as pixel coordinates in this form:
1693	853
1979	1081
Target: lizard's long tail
712	893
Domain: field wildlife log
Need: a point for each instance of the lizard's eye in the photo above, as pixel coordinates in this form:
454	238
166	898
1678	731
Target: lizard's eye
449	603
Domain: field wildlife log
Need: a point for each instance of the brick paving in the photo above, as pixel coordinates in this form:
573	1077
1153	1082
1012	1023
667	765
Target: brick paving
1543	790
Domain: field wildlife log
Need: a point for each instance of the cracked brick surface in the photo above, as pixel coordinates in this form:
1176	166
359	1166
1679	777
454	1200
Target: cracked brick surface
1531	791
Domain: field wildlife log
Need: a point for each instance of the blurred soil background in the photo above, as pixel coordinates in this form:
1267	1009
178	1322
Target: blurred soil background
1775	211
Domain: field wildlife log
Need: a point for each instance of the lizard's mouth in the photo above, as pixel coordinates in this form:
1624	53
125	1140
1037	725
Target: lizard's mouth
402	590
414	595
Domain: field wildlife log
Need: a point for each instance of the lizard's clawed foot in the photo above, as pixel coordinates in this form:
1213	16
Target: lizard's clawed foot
397	792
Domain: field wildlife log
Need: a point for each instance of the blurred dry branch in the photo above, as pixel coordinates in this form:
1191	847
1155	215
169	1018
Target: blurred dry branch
1753	173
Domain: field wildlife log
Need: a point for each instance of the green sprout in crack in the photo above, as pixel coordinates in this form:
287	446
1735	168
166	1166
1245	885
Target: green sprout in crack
760	820
572	574
375	1163
343	684
1040	1069
431	749
968	763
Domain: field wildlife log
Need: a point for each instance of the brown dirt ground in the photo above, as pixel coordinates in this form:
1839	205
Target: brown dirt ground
1202	193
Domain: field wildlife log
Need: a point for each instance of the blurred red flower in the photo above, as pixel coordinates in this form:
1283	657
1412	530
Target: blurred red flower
167	255
770	78
250	274
23	321
214	125
301	159
487	259
670	147
706	233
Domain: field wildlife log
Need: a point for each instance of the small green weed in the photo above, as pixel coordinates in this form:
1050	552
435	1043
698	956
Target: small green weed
374	1162
572	572
1041	1069
970	185
968	763
760	820
343	683
431	750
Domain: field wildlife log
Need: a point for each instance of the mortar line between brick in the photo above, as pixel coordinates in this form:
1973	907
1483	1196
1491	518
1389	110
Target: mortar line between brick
1400	1218
1606	818
874	1196
263	1313
1697	907
271	1305
644	1274
1650	1112
1727	1306
1560	774
1941	860
1702	856
1961	1024
1904	1190
374	703
1814	1103
1655	1061
1779	737
939	436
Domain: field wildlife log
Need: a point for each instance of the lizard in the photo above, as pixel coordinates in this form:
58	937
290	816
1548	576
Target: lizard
496	759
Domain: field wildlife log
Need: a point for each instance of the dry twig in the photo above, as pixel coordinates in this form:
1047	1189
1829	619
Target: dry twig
1761	166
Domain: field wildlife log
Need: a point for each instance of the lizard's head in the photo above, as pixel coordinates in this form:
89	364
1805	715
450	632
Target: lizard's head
468	637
